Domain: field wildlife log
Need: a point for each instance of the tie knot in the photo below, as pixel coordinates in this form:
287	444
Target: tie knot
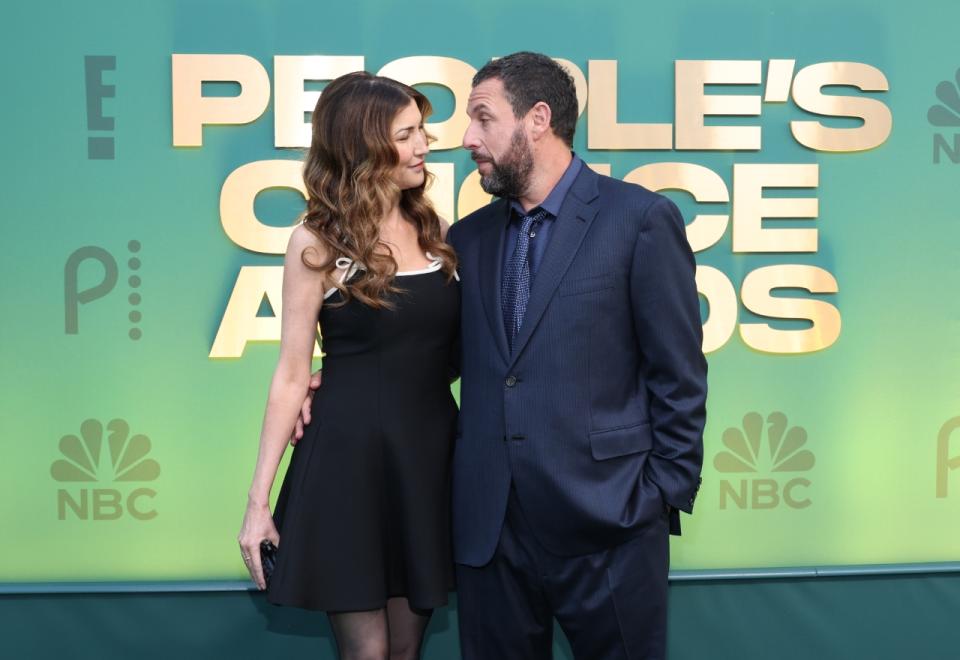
532	218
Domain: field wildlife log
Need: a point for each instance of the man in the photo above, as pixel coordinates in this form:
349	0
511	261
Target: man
583	386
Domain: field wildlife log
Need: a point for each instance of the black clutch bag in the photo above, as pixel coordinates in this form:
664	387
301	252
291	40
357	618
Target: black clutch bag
268	559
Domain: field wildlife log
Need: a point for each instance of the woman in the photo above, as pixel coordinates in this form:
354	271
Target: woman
362	518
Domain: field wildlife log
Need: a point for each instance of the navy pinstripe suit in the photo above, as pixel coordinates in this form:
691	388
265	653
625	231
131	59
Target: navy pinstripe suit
597	416
576	450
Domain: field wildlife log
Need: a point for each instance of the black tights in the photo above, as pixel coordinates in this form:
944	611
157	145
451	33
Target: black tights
392	633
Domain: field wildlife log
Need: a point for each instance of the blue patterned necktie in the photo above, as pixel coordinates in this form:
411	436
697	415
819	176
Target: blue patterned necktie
515	291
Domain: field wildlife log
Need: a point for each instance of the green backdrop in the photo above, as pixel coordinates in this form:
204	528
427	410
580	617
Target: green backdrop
165	498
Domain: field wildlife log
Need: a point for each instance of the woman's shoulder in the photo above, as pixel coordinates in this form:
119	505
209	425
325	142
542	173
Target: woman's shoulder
306	254
303	239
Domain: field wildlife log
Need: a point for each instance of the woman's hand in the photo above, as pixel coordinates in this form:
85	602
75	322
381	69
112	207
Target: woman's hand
257	526
304	418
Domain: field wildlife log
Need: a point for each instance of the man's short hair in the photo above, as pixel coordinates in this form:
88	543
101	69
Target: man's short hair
529	78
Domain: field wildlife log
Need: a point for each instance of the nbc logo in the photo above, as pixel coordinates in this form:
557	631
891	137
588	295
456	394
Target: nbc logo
745	458
946	113
84	462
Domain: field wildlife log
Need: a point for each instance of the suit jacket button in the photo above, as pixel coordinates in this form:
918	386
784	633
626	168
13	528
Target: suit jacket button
511	381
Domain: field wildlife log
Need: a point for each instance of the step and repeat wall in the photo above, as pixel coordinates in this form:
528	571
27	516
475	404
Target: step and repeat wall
151	175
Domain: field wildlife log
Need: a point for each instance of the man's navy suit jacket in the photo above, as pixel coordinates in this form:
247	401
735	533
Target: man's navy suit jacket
597	415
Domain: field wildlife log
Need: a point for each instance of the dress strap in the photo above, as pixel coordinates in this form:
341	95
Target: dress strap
349	268
436	263
439	262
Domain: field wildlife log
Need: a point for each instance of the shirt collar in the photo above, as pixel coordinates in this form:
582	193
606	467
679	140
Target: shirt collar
554	200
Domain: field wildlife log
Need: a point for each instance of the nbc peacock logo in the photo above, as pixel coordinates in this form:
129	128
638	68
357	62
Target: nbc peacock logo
946	114
122	460
779	459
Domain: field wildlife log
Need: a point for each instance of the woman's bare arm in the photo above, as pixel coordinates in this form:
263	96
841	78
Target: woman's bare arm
303	290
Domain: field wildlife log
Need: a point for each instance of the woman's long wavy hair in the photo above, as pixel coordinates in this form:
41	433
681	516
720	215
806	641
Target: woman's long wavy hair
348	176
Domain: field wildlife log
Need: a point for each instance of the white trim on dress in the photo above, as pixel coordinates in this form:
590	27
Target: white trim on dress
350	268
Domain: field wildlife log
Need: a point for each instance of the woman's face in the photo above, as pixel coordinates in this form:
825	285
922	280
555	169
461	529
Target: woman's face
410	141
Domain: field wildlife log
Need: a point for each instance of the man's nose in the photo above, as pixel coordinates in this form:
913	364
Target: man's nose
469	138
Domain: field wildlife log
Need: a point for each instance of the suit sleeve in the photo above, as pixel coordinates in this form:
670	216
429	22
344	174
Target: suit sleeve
666	314
454	362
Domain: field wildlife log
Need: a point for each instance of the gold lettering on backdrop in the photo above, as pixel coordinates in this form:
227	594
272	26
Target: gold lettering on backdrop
455	75
750	207
752	216
603	129
238	194
191	110
807	94
291	100
722	307
756	293
704	184
440	190
240	323
693	104
779	75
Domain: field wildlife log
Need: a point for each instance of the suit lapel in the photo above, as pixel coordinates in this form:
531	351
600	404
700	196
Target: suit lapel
491	272
576	216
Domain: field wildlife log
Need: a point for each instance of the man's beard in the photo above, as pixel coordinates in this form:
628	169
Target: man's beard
510	176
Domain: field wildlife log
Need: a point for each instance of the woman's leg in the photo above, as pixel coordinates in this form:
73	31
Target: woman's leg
405	627
361	635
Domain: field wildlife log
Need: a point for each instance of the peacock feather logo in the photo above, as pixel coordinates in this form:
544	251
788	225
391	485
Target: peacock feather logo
947	112
83	455
785	446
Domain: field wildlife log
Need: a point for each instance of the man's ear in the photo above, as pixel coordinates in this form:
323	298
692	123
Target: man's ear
539	117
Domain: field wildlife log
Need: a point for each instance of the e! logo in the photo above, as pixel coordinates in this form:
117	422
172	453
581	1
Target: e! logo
74	295
99	147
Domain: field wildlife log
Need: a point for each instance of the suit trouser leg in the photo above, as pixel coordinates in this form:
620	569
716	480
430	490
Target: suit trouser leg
612	604
502	608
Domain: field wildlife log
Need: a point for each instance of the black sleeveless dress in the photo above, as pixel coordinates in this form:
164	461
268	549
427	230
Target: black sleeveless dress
364	509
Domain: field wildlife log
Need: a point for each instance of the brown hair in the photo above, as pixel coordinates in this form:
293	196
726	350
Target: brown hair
529	78
347	174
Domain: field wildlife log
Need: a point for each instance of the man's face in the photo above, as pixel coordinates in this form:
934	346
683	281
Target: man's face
497	141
